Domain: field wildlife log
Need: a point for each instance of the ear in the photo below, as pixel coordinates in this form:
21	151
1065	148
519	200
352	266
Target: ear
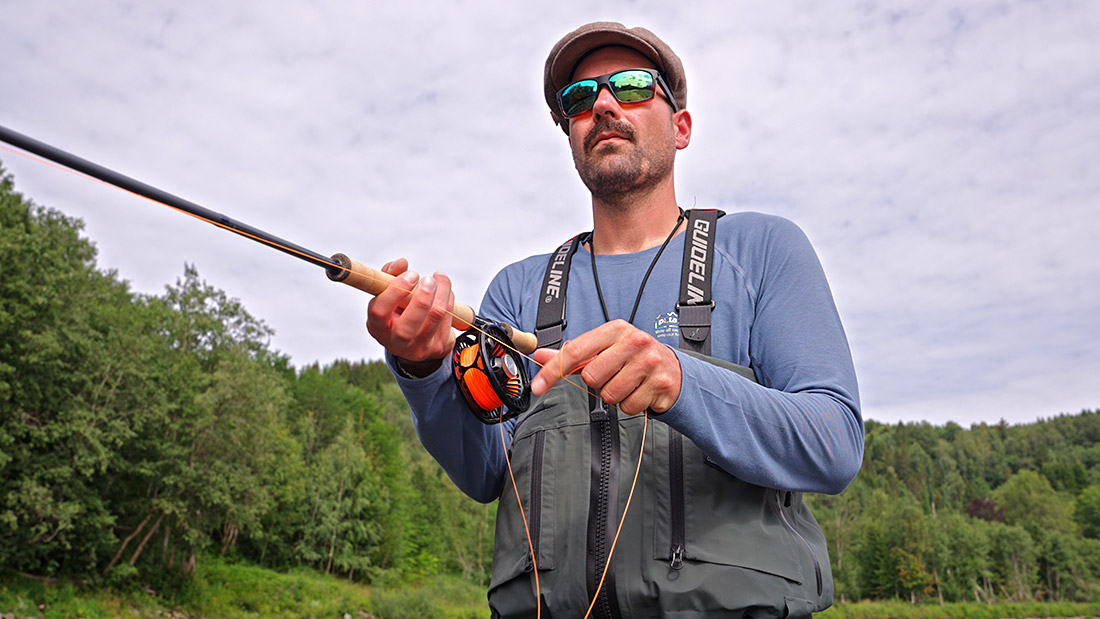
563	123
681	125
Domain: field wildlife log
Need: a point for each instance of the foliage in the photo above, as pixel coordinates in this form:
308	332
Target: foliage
139	433
993	513
73	389
1086	511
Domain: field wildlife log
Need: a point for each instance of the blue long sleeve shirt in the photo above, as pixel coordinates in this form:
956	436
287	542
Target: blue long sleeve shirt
799	428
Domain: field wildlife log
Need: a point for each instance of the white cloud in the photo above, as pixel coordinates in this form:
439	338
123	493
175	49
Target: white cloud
941	157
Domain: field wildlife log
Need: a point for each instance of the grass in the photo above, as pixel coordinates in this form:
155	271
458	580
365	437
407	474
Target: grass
897	609
24	597
222	589
226	590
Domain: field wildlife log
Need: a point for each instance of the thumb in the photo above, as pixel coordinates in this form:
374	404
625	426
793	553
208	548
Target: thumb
543	355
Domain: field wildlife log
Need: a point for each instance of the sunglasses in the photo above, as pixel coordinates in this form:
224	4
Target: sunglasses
627	86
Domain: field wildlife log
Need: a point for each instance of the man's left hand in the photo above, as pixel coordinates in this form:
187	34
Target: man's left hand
628	366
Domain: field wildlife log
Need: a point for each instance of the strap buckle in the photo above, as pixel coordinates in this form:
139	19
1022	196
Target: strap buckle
695	320
551	335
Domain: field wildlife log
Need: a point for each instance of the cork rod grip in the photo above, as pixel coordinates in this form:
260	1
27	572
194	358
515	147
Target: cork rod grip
373	281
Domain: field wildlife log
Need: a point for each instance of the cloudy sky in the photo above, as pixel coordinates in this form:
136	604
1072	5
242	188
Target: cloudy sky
943	157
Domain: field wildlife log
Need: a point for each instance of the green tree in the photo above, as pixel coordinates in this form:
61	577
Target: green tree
1013	562
874	550
350	515
1029	501
1086	511
963	549
340	530
74	385
912	578
202	471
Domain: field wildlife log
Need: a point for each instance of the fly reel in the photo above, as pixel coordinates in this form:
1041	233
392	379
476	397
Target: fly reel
490	374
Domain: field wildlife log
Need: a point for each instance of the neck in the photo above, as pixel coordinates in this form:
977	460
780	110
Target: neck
633	223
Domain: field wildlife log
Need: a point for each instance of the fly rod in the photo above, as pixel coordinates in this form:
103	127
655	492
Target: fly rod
338	267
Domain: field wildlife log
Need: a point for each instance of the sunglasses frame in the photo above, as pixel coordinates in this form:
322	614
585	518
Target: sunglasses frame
605	80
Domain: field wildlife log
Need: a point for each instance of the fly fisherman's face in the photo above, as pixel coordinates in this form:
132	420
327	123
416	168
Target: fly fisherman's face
621	147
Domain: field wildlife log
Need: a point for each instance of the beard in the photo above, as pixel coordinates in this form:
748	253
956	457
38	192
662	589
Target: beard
623	169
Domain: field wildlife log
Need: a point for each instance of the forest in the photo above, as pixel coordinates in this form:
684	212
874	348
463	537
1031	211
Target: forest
143	434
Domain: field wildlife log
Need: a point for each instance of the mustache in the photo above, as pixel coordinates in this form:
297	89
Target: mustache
607	124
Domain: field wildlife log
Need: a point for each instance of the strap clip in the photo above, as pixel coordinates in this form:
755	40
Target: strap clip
695	320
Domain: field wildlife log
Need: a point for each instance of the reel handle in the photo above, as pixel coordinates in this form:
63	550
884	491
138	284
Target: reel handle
372	281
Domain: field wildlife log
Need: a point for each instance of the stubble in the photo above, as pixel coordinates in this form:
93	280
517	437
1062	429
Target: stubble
616	172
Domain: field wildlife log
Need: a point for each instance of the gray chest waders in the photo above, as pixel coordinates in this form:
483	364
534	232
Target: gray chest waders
697	541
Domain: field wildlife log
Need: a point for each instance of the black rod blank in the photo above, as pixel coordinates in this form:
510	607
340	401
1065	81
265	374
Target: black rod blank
111	177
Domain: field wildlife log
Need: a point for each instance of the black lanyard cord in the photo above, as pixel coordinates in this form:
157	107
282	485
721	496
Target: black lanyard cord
641	288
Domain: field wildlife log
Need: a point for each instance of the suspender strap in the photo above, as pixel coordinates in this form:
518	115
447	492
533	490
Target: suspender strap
550	321
695	303
694	311
696	276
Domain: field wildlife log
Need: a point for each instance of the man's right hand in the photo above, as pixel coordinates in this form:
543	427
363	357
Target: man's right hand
420	333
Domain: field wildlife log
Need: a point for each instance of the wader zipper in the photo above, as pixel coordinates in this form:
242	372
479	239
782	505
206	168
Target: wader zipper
676	496
780	504
535	519
603	506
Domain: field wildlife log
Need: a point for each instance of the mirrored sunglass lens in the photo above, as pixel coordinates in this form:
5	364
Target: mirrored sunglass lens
632	86
579	97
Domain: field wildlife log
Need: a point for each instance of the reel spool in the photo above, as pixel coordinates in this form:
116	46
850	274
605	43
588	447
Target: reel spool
491	376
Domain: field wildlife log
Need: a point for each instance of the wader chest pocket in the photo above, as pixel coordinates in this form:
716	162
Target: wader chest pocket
725	521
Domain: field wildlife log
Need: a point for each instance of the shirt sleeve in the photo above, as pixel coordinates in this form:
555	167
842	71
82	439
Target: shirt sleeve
800	428
468	450
472	453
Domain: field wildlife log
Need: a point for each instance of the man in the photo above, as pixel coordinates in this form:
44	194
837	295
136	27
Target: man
764	407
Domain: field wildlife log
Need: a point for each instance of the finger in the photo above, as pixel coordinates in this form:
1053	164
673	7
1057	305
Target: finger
579	353
421	314
385	305
658	395
590	352
546	378
437	322
422	330
396	267
590	344
651	379
556	365
632	392
628	349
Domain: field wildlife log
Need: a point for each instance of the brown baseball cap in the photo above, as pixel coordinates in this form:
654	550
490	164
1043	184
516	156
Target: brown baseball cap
573	47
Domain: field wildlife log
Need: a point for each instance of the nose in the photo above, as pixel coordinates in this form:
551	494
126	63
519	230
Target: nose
606	103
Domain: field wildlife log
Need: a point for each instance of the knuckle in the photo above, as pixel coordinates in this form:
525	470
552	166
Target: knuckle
373	308
638	340
589	377
436	313
630	407
421	301
661	383
620	323
377	321
609	396
647	361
